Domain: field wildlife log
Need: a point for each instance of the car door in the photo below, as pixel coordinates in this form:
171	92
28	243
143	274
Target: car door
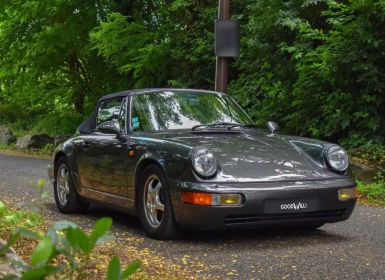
101	158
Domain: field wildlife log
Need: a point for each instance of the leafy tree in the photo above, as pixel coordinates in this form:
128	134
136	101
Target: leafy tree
315	66
48	69
170	44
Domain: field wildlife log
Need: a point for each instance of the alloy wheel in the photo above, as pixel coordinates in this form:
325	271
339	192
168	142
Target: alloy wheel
153	201
62	182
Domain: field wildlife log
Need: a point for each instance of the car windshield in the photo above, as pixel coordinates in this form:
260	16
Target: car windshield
169	110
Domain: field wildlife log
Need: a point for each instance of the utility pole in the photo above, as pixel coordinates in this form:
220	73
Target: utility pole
221	73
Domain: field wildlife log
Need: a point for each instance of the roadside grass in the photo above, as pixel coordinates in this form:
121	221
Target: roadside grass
373	156
372	193
12	219
44	153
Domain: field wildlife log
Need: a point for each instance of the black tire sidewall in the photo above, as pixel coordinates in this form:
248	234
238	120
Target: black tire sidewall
167	228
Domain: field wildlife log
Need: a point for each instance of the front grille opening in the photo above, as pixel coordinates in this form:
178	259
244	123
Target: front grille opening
245	219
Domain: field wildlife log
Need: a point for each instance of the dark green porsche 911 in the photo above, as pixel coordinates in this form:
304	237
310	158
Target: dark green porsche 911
182	158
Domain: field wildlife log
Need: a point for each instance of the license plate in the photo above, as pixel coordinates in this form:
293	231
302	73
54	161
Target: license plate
277	206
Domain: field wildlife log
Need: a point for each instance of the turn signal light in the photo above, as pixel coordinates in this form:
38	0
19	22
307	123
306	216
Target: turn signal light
347	193
197	198
209	199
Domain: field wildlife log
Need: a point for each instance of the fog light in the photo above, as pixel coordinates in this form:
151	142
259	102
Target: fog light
211	199
229	199
347	193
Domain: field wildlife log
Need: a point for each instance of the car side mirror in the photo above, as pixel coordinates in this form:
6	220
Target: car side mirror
272	127
109	127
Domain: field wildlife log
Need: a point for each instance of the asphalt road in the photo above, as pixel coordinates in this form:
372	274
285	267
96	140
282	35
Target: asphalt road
354	249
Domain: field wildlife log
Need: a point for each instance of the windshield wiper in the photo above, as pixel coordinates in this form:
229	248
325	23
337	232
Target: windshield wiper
214	124
198	126
243	126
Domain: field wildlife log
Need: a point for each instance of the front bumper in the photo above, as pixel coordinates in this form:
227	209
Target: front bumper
253	214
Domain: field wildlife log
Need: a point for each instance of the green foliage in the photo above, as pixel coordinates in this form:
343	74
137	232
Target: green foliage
316	66
11	220
74	247
47	149
20	222
166	43
375	153
371	154
2	209
115	271
48	70
373	192
43	252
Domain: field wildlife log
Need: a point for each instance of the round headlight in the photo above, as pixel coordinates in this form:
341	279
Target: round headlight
204	162
337	158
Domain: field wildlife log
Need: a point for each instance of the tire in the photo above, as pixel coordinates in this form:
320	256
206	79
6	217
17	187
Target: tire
153	195
66	197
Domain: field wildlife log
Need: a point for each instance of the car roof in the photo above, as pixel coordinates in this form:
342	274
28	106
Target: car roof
126	93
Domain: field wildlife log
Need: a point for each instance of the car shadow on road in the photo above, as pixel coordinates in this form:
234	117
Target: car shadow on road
241	238
122	221
265	237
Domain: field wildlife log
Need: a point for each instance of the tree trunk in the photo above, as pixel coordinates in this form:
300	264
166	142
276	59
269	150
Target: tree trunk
79	91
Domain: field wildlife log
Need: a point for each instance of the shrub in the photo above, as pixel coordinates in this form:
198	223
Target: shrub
373	192
65	241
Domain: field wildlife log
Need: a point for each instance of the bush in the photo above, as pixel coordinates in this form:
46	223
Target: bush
65	242
316	67
370	154
11	220
373	192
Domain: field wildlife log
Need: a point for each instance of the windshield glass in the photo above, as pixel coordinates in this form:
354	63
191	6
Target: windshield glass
184	110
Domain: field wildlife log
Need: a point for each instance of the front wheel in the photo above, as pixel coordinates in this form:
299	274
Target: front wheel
154	205
66	197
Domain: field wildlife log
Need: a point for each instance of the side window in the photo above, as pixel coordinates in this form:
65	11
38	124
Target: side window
141	114
109	111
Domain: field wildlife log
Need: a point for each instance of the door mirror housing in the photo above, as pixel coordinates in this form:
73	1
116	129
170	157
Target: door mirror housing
272	127
109	127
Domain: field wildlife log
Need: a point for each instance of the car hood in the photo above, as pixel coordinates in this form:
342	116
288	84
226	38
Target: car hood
257	157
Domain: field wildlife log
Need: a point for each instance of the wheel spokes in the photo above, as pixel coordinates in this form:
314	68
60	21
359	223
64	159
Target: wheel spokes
63	187
154	207
157	188
63	172
159	205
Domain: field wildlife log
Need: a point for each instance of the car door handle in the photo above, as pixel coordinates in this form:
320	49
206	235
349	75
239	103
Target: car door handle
86	145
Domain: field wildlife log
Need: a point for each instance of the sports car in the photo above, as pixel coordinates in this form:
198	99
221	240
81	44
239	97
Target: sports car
182	158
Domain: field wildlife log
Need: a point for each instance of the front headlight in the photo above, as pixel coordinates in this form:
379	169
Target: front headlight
204	162
337	158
